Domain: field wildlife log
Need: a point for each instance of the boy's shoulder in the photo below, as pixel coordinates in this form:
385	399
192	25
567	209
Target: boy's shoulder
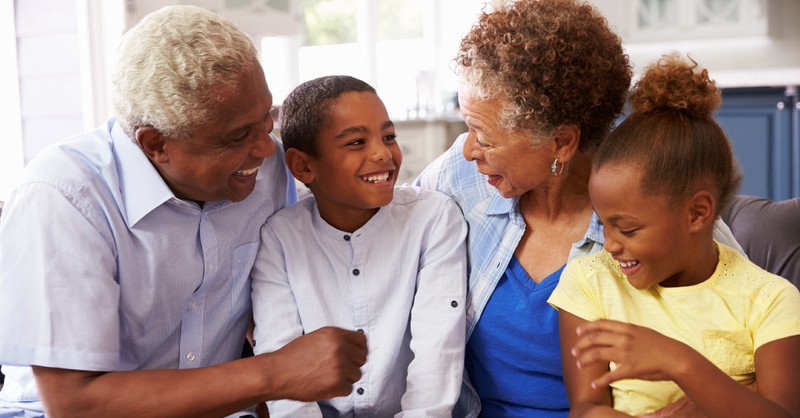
303	207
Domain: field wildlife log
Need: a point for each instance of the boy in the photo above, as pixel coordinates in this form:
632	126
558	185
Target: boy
363	255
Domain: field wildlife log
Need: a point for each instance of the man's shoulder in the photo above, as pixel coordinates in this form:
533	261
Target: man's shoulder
71	161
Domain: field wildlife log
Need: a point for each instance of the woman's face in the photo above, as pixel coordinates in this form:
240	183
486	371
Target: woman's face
507	158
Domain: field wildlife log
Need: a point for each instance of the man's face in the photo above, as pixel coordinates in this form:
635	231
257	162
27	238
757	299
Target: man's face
220	161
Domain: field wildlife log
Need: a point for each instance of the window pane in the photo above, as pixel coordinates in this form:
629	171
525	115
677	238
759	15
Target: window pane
399	19
330	22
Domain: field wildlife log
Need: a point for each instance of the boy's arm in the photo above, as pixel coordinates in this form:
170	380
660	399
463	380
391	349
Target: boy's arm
438	320
584	400
641	353
319	365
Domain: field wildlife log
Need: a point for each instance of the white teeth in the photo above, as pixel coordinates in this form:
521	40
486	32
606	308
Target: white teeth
247	172
628	264
375	178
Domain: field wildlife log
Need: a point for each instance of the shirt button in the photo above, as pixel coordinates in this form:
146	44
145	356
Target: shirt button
346	237
190	356
454	304
360	391
361	331
356	272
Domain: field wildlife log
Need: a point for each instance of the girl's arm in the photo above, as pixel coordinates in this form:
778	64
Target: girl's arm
776	395
584	400
642	353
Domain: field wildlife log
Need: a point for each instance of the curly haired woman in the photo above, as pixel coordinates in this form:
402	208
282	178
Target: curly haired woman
542	84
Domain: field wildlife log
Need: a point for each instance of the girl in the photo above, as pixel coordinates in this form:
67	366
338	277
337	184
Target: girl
665	311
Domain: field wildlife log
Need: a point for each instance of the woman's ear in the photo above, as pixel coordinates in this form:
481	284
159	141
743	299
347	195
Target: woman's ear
153	143
567	142
299	164
702	210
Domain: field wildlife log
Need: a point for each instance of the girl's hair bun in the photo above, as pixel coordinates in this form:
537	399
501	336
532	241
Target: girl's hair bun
676	84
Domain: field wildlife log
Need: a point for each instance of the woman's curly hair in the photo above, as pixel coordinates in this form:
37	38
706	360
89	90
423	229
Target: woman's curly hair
672	134
557	61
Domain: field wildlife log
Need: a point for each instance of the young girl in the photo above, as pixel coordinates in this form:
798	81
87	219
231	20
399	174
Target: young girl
665	311
363	255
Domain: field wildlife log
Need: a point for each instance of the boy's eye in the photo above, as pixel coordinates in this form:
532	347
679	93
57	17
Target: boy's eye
390	138
356	142
627	232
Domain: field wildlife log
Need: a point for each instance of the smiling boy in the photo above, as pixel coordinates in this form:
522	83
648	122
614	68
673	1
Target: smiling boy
363	255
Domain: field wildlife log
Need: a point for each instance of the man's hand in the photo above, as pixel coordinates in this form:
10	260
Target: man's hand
320	365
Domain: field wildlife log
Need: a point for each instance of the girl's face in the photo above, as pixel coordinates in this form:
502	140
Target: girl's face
649	235
359	160
509	161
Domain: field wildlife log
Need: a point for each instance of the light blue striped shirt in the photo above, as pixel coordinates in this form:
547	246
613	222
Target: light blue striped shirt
495	224
102	268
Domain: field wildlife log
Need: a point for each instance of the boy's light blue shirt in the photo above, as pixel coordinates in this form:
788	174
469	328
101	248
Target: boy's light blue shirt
102	268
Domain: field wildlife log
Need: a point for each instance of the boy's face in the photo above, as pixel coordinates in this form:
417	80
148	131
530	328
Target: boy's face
647	234
359	160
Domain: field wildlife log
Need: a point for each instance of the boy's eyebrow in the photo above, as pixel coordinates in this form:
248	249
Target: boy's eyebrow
351	130
361	129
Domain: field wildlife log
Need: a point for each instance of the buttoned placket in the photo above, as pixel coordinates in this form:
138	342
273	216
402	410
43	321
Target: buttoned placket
360	306
191	344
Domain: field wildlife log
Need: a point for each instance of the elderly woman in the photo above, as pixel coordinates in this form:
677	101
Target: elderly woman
542	84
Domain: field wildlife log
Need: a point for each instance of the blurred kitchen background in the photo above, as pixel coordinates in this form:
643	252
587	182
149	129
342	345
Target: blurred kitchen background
58	56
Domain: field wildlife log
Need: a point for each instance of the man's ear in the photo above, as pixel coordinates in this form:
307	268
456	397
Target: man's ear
567	142
153	143
299	164
702	210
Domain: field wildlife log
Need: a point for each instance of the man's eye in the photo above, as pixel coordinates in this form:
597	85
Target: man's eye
239	140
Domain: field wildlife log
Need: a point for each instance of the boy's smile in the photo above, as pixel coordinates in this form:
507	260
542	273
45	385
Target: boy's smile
358	161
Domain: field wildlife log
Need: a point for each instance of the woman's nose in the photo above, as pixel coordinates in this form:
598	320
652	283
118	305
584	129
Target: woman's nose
471	149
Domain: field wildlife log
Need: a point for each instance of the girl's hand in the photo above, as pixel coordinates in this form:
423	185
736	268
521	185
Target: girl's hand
638	352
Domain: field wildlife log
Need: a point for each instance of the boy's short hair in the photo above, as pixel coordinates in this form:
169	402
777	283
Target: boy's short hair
303	112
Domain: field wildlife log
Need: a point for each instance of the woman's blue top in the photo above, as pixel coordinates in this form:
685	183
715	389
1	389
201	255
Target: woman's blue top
513	357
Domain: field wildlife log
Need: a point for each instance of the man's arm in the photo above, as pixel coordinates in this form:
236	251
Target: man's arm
319	365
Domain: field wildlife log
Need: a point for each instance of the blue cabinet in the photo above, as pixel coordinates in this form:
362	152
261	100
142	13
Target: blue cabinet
762	124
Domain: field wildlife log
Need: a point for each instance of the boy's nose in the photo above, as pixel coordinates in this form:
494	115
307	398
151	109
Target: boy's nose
381	152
